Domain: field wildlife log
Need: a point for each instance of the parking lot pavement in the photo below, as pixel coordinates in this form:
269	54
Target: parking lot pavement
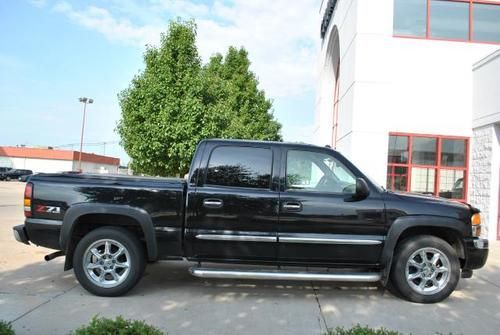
40	298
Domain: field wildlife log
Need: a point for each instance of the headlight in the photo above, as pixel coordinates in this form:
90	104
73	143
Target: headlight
476	225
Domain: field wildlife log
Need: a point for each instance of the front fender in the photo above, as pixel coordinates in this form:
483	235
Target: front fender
401	224
138	214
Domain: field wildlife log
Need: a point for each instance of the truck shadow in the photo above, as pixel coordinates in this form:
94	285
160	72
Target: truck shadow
41	296
162	275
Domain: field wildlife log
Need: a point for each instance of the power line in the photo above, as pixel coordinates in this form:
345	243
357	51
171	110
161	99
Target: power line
86	143
101	144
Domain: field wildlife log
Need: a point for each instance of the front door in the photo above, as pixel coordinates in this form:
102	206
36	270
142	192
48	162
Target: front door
320	220
233	213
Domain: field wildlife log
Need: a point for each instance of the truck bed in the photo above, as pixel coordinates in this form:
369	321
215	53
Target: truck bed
161	198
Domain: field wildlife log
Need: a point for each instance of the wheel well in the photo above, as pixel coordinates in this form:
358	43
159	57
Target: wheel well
449	235
88	222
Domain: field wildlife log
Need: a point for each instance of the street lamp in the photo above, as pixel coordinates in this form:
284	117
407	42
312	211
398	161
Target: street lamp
85	101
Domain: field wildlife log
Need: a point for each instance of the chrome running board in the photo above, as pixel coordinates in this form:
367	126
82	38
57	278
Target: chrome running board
285	275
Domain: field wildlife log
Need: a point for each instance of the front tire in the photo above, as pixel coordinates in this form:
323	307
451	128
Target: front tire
109	261
426	269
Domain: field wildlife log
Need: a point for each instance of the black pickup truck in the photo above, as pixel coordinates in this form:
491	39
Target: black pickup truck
268	209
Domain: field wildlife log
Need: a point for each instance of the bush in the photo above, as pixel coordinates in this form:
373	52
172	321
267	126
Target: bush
358	330
6	328
118	326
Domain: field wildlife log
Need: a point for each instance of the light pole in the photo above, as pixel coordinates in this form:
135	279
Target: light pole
85	101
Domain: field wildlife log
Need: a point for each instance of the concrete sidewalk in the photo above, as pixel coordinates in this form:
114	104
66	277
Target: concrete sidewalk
39	298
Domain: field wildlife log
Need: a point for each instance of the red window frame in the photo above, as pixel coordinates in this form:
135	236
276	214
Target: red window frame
438	167
471	23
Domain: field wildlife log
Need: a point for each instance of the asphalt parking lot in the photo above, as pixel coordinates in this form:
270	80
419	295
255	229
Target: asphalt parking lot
38	297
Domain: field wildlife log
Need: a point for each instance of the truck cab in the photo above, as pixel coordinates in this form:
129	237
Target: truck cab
294	204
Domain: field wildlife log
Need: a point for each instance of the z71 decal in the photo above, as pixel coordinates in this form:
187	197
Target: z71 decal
47	209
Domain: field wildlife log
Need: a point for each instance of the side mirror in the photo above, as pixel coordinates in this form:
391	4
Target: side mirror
362	189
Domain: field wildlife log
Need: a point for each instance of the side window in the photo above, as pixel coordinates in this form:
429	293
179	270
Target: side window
240	167
317	172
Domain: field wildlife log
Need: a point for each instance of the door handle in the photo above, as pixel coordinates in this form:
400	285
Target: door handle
212	203
294	206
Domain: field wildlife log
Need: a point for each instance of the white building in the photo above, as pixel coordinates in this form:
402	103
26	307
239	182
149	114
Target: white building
396	91
485	151
52	160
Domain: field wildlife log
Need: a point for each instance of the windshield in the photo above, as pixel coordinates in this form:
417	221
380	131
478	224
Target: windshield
377	185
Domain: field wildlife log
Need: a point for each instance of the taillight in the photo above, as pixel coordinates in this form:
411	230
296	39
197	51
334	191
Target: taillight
28	195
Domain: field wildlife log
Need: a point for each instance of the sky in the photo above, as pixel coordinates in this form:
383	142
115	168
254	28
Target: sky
53	52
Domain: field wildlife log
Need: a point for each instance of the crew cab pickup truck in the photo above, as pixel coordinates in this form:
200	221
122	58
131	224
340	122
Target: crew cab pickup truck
267	209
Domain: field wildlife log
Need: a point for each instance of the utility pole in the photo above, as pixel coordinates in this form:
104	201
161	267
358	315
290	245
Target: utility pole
85	101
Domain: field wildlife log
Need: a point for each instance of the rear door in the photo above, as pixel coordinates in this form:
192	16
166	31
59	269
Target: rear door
232	213
320	222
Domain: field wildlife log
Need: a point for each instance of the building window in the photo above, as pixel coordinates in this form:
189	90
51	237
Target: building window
434	165
449	19
456	20
486	18
410	17
423	151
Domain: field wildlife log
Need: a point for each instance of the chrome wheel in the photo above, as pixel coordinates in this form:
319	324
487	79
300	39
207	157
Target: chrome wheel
428	271
106	263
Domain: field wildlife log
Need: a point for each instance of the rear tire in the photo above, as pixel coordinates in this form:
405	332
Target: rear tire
109	261
426	269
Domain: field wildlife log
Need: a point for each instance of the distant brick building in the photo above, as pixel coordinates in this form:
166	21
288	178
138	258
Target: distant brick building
52	160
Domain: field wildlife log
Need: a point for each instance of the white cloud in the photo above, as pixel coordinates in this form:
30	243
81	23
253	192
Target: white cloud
281	36
115	29
181	8
38	3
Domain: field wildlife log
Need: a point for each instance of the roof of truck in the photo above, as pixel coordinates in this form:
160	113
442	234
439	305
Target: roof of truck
239	141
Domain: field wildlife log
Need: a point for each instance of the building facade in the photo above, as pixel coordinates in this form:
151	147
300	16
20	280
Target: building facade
485	150
52	160
396	89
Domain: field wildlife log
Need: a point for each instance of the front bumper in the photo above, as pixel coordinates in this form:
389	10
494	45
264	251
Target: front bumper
476	253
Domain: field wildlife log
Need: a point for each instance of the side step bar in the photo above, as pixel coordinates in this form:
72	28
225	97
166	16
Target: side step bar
288	275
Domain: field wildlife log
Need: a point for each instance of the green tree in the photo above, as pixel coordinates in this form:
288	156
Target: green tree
231	89
175	102
162	109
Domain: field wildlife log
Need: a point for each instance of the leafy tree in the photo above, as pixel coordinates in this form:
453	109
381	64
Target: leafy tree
231	88
175	102
161	109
